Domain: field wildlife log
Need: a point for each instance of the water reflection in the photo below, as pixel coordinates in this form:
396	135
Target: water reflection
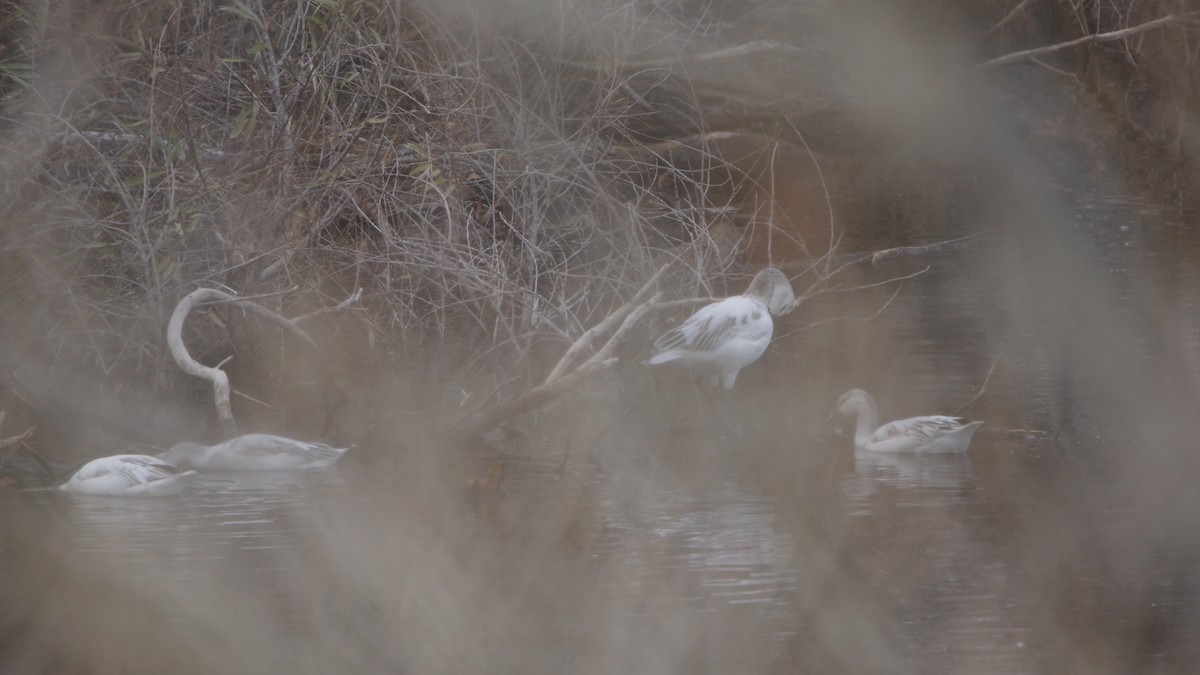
714	560
723	544
944	475
220	515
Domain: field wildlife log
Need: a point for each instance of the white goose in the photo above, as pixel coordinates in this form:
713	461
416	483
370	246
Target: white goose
722	338
129	475
933	434
254	452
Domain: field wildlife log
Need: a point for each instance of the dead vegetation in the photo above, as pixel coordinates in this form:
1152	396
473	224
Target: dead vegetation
477	174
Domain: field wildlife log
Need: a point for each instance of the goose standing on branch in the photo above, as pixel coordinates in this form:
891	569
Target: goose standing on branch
722	338
255	452
129	476
937	434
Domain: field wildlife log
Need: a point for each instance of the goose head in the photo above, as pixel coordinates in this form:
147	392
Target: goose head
180	452
775	290
855	402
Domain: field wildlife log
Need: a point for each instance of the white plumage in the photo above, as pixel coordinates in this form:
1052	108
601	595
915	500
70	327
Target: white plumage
722	338
255	452
129	475
931	434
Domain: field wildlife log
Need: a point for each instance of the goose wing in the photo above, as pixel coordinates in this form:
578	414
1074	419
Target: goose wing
268	445
924	428
718	324
132	469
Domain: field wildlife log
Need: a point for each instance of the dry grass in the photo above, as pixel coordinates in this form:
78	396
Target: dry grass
467	181
505	175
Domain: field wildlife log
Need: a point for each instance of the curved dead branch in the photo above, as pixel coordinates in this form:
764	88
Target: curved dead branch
218	378
480	422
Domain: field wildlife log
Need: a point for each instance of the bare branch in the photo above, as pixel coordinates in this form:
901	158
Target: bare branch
480	422
1008	17
13	440
1095	37
982	387
216	376
595	332
345	304
619	336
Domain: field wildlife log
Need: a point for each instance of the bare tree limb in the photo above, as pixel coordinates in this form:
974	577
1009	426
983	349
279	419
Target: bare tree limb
218	378
1095	37
479	422
49	470
19	442
982	387
1008	17
875	257
13	440
345	304
595	332
619	336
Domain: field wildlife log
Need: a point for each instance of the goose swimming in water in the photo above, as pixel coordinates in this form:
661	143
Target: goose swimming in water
932	434
255	452
129	476
722	338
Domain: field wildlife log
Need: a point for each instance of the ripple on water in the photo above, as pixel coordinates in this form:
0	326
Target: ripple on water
717	551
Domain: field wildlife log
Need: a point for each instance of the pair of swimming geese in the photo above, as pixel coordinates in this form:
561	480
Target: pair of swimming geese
716	342
170	473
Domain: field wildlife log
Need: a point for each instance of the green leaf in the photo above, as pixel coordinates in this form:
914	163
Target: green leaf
244	12
239	124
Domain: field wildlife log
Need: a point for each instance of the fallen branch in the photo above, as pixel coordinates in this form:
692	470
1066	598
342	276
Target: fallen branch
589	336
13	440
218	378
982	387
49	470
343	305
19	443
566	375
630	321
1094	37
876	257
478	423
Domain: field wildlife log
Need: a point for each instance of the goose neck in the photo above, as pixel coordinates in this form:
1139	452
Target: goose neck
865	424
